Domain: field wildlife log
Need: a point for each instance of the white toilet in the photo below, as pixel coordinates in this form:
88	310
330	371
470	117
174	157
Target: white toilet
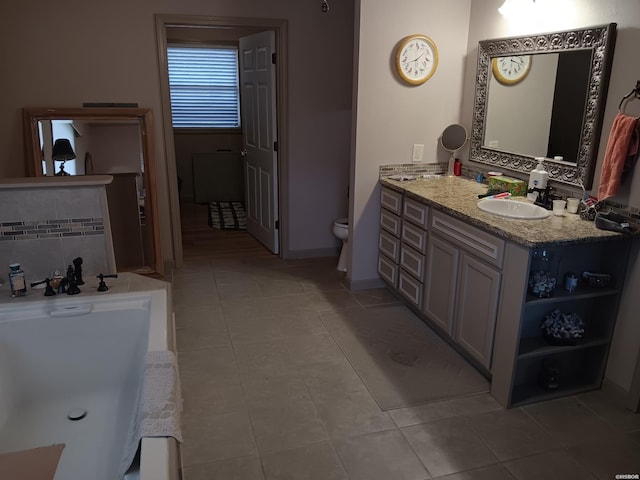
341	230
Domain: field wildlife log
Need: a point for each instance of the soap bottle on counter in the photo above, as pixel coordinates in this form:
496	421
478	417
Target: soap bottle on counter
17	280
537	179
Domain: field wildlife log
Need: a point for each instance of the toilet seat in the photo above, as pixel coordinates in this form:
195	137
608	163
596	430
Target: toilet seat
342	222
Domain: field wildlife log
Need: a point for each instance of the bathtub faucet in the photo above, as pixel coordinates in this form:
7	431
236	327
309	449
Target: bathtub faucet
77	269
48	291
102	287
69	284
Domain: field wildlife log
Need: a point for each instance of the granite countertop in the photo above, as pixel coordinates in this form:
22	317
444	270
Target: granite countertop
458	197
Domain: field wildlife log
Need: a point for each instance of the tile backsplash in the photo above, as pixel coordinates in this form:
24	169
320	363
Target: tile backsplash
55	228
45	228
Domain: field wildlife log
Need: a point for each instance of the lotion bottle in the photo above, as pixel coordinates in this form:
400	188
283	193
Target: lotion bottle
17	280
537	179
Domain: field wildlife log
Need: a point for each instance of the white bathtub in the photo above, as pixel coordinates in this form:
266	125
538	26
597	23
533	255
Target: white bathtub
85	351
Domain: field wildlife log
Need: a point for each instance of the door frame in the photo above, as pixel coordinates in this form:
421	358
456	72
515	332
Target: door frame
280	27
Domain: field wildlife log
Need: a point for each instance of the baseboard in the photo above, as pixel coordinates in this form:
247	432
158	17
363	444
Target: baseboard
311	253
617	395
365	284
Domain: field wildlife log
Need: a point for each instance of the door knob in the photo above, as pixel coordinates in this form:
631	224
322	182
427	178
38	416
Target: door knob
243	152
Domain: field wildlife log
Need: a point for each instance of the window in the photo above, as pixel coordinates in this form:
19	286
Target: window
203	82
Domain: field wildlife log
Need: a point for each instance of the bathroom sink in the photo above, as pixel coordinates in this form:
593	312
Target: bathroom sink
513	209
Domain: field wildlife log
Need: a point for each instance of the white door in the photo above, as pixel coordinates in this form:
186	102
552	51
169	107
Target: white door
259	129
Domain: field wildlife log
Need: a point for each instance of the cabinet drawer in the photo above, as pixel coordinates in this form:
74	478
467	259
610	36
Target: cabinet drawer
410	288
478	242
414	236
415	212
389	245
390	222
391	200
388	270
412	262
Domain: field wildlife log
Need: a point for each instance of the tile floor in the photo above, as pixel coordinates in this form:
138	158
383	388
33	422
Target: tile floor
269	395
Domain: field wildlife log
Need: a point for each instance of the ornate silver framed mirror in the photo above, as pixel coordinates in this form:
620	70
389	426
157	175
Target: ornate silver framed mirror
554	111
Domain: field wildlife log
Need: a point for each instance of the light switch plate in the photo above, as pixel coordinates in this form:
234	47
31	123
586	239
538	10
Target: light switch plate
418	152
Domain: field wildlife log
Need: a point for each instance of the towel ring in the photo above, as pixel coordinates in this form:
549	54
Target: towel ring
633	93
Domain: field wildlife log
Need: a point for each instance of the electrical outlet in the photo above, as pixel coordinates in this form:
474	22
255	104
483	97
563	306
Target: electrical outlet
418	152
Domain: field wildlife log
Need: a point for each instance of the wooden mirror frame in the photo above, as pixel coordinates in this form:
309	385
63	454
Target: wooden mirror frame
33	158
600	40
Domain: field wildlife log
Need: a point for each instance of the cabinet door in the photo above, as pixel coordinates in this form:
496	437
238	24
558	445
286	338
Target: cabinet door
477	307
440	282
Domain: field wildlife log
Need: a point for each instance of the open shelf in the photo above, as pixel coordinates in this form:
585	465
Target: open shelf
579	369
561	295
538	347
532	392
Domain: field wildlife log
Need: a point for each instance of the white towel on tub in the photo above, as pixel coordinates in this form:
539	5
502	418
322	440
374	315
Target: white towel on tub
160	405
161	400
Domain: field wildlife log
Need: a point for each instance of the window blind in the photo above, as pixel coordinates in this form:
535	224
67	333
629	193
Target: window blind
203	82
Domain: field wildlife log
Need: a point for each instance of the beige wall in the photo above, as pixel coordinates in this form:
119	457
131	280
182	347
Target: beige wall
392	116
69	52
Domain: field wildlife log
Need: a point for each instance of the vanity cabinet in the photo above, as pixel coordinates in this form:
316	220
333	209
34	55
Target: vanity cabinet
467	275
389	237
462	290
530	368
402	244
447	270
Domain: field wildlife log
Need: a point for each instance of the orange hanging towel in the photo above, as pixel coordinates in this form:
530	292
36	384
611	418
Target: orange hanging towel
621	152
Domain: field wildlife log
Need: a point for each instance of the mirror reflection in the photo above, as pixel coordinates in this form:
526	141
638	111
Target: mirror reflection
110	142
552	107
551	98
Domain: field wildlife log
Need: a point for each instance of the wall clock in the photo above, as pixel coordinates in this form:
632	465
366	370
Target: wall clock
511	70
416	59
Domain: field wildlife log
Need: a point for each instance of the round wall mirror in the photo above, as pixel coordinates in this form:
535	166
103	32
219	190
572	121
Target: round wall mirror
453	139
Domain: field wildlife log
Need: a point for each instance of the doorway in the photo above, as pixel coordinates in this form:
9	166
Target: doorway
230	30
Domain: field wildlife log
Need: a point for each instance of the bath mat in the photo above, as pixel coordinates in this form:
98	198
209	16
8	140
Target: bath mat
227	216
400	359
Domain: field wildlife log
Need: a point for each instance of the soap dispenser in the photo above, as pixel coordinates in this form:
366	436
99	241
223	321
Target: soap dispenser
537	179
